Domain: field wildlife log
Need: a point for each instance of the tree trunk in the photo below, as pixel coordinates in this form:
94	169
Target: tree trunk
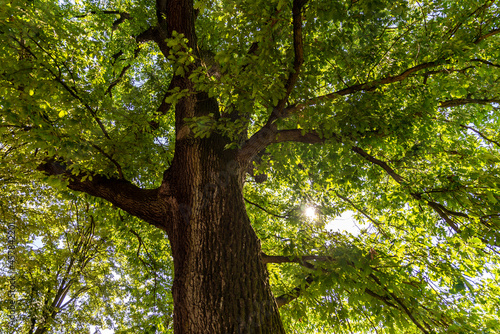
220	284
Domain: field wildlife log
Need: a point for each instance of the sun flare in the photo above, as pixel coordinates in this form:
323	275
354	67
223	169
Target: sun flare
310	212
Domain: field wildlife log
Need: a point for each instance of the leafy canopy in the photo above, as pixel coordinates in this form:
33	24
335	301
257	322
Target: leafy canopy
393	115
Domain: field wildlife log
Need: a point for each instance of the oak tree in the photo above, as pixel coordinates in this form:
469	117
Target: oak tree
219	122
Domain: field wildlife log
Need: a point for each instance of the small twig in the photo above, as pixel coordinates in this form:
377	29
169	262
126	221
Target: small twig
376	223
461	102
295	293
118	167
265	210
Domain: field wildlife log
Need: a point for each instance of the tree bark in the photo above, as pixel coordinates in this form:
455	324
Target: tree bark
221	283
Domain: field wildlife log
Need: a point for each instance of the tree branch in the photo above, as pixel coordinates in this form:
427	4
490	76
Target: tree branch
482	135
398	178
145	36
368	86
121	75
443	214
387	299
295	293
401	304
298	50
489	34
149	266
312	137
486	62
142	203
256	143
269	134
461	102
300	259
438	208
266	135
265	210
298	135
123	16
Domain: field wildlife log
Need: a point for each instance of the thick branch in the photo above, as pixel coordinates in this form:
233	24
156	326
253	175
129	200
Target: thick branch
439	209
298	50
147	35
259	141
142	203
123	17
267	134
378	162
298	135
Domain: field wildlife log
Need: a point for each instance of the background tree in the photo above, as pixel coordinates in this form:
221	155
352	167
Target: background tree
218	122
80	264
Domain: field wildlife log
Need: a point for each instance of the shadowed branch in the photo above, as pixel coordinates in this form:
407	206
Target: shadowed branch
142	203
298	50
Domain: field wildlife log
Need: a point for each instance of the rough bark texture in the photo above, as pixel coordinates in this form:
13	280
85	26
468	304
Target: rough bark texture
220	284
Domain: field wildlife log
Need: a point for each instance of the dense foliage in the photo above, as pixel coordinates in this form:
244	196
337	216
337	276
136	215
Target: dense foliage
389	109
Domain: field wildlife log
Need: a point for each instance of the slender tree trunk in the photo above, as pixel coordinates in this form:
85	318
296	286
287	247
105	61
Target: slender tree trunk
221	284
